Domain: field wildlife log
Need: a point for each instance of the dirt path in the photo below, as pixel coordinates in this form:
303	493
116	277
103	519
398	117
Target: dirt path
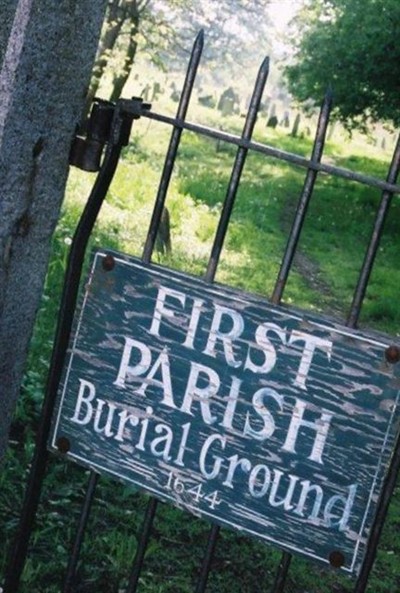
309	268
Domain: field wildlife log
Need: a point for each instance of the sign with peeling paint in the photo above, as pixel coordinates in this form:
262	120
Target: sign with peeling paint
256	417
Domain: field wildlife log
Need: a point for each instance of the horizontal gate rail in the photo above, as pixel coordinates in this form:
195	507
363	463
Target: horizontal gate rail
281	155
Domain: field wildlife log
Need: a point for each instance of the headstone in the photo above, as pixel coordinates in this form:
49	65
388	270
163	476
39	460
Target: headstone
296	126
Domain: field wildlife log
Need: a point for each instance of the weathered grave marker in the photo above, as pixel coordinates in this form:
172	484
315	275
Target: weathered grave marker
259	418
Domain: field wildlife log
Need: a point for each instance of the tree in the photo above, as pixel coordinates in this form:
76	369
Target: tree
119	15
352	45
47	52
165	27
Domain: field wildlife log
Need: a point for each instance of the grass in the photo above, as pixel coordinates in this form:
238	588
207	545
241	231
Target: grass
335	236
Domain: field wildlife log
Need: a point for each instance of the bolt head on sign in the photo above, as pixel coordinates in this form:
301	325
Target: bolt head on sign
108	263
392	354
258	418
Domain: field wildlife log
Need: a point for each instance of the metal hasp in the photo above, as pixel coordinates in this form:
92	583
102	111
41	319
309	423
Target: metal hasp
86	151
109	126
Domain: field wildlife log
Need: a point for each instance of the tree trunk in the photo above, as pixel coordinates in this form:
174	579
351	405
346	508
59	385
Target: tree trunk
120	79
48	51
112	28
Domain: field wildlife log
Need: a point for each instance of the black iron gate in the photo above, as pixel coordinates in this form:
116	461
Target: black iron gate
110	127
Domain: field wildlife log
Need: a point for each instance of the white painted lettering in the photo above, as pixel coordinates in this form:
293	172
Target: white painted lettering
286	502
306	488
106	429
320	426
203	394
343	518
182	446
232	402
165	441
255	481
216	468
226	337
193	323
138	369
310	344
234	462
144	428
162	364
267	348
161	310
124	418
83	403
260	408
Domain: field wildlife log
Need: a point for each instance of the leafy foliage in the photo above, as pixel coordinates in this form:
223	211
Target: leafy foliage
353	46
168	27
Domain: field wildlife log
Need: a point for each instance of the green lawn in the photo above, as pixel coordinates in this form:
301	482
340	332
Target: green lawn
335	236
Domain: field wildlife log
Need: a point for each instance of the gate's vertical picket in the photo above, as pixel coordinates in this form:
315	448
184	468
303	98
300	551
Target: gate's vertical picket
69	582
207	560
309	182
142	545
148	251
98	198
374	241
388	488
213	261
237	170
352	320
173	146
282	573
287	261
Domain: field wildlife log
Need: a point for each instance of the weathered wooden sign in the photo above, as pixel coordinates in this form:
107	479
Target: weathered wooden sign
253	416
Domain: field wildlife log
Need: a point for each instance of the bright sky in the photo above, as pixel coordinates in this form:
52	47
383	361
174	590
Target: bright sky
282	11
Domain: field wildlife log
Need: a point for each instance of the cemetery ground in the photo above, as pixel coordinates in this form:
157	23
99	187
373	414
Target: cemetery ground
332	245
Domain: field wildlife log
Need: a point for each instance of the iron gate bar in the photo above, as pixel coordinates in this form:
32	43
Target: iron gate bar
70	577
377	526
360	291
282	573
165	180
19	549
142	545
237	170
372	250
207	560
287	262
302	206
173	146
281	155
